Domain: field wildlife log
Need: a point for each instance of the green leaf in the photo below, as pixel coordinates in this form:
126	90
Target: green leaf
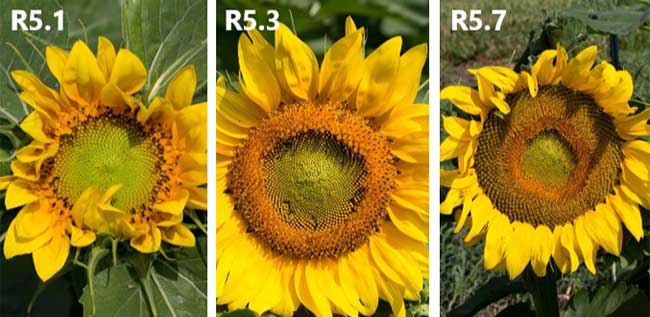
166	35
619	21
25	50
609	300
144	288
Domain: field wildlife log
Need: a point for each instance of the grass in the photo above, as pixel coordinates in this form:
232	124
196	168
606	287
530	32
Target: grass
461	267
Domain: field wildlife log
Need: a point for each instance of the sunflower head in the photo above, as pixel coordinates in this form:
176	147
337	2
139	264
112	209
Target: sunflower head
322	176
554	154
100	161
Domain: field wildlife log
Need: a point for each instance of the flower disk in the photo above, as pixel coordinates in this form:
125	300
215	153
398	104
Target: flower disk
551	159
313	181
108	150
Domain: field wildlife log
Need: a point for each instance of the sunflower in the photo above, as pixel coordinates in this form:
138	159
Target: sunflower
322	177
100	161
550	162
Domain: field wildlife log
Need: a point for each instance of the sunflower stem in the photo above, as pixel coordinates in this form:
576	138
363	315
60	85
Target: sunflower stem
544	293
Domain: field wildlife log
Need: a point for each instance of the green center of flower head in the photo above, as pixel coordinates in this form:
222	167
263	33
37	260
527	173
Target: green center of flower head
105	151
314	180
549	159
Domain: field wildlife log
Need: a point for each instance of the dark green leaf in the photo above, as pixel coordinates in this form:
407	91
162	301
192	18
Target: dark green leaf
619	21
170	288
166	35
608	300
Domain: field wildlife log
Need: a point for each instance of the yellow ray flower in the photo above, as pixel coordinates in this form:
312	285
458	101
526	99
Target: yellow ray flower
322	177
550	163
100	161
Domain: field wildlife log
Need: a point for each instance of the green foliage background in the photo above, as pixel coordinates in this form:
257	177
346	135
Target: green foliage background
166	35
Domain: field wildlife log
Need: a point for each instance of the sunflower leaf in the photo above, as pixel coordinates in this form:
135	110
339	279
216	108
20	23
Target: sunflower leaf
609	300
169	287
165	46
620	21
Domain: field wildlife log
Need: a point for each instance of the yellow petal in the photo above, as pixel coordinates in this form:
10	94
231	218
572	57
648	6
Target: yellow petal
56	59
518	251
392	293
569	243
19	193
381	67
468	200
629	213
342	68
5	181
191	133
496	241
413	148
236	108
15	245
543	249
394	265
409	223
105	56
82	78
587	246
482	213
198	198
148	242
33	125
128	72
502	77
406	119
308	292
181	88
457	127
40	97
577	70
452	200
258	80
353	287
51	257
32	220
174	206
634	126
548	67
81	238
406	84
295	64
263	47
350	27
465	98
179	235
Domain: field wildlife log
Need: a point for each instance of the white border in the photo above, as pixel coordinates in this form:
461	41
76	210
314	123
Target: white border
212	158
434	158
